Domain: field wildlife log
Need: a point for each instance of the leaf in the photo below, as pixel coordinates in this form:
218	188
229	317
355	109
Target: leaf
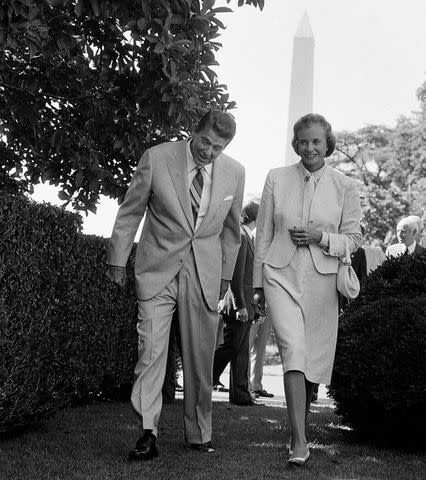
63	195
79	178
79	8
57	139
222	10
207	5
142	24
95	7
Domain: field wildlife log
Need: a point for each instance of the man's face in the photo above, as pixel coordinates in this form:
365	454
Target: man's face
206	146
405	234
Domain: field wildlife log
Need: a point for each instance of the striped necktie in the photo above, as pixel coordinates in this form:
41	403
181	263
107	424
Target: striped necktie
195	190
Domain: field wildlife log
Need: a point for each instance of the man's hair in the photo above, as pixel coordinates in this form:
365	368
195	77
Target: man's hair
308	120
412	221
222	123
249	212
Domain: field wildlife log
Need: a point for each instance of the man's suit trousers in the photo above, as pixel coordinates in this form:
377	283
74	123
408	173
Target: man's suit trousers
198	327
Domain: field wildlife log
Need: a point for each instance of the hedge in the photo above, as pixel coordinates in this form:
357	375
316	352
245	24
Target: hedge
66	331
379	377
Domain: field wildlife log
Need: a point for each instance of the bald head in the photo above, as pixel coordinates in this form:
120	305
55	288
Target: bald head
407	229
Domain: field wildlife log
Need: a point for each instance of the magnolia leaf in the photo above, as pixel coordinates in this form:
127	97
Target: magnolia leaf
63	195
222	10
79	178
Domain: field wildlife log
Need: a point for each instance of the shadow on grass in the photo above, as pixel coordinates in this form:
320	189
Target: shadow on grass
91	442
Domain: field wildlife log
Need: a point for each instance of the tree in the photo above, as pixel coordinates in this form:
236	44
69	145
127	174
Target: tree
87	85
390	165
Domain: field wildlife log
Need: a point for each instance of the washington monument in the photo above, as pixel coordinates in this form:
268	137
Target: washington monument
302	81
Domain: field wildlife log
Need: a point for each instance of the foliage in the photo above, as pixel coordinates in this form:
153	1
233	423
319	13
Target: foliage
87	85
390	164
67	332
379	377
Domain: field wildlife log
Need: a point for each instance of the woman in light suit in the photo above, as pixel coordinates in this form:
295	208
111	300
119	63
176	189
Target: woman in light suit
306	212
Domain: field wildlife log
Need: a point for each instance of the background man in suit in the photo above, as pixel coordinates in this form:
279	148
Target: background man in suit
192	194
238	312
407	230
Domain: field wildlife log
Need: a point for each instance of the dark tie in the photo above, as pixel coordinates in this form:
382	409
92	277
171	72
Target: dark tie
195	190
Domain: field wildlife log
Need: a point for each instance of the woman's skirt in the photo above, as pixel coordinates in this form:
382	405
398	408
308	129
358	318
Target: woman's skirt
303	306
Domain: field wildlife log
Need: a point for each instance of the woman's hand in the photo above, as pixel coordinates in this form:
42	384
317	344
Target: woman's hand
305	236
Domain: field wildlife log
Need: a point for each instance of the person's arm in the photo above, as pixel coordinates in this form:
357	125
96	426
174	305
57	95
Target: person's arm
230	237
334	243
128	219
237	282
264	231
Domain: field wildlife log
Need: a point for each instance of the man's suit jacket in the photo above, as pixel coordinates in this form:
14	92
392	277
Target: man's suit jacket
418	249
335	209
240	292
160	188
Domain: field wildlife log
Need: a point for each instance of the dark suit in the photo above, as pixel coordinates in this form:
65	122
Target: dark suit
236	334
418	249
359	264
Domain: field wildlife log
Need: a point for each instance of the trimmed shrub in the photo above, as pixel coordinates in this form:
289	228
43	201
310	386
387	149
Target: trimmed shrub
379	377
66	331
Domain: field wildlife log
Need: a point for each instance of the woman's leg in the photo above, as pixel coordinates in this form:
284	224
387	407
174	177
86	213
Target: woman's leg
295	394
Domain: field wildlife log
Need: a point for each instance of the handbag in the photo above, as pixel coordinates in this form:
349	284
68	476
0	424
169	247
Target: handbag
347	280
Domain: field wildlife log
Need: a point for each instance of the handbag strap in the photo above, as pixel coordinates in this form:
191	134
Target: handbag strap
347	259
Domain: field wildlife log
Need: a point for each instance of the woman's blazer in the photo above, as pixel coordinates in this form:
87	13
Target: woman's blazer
335	209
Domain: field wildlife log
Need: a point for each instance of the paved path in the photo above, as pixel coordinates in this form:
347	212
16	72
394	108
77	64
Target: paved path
272	382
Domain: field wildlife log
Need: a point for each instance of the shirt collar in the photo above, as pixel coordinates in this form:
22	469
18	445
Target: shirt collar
190	162
316	175
247	230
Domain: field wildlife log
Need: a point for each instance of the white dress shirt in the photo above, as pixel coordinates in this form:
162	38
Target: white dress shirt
207	186
398	249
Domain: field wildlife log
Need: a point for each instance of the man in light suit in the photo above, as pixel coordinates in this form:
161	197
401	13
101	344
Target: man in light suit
191	193
407	230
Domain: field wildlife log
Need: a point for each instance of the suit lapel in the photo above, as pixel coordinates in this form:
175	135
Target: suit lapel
178	172
249	239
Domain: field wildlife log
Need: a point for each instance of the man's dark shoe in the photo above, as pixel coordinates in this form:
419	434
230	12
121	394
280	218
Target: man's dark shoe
146	448
206	447
263	393
220	388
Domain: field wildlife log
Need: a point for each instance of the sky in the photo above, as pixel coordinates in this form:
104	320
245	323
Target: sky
370	58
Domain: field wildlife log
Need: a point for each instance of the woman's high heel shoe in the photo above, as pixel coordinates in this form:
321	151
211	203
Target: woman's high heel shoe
299	461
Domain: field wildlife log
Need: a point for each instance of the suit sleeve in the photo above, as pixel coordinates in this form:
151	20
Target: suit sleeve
131	213
230	237
349	224
237	281
264	230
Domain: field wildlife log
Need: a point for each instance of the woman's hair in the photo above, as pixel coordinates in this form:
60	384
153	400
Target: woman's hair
222	123
249	212
308	120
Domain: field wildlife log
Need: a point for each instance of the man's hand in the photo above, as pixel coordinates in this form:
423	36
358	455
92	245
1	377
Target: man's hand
224	284
117	275
242	315
259	300
305	236
221	306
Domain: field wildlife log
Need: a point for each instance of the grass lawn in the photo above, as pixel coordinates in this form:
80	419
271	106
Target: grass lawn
91	442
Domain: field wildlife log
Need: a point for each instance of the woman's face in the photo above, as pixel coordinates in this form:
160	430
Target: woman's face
312	146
